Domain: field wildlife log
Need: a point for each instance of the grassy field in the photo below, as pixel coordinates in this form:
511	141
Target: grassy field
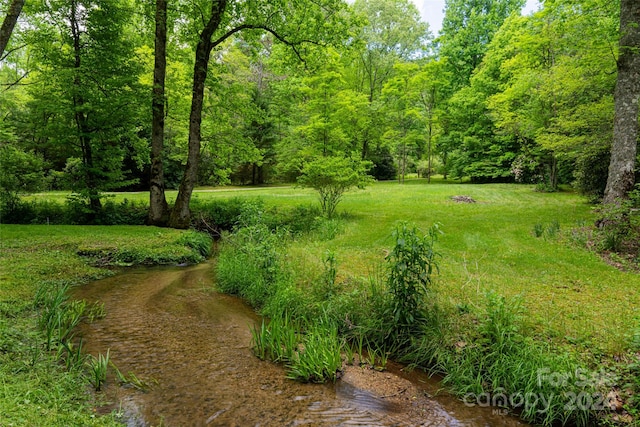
570	296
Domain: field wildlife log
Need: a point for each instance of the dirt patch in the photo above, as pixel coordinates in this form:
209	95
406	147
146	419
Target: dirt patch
463	199
390	388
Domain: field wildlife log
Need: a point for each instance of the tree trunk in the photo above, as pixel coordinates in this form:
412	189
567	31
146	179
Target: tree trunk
9	23
158	207
181	214
621	177
81	118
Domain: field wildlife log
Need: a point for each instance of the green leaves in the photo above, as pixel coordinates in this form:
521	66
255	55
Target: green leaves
332	177
411	263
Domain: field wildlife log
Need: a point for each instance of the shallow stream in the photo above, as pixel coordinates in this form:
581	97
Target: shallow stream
169	328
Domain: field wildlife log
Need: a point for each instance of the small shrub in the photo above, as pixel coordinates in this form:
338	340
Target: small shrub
200	242
331	177
411	263
249	263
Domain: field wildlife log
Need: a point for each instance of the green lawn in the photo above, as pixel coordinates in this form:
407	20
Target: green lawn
569	293
570	296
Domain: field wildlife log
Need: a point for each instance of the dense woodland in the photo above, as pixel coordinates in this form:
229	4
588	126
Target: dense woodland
104	95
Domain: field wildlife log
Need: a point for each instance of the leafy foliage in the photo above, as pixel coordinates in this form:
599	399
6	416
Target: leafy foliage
411	263
331	177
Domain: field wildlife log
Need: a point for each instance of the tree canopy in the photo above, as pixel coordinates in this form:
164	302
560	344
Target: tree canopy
118	95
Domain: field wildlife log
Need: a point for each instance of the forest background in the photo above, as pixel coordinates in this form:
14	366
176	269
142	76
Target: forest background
495	97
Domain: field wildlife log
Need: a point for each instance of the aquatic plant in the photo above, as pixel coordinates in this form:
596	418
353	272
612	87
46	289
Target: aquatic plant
98	367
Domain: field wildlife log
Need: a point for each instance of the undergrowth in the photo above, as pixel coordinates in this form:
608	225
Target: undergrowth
482	352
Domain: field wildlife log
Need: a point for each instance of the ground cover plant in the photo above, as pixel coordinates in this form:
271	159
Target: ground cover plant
497	280
44	373
555	302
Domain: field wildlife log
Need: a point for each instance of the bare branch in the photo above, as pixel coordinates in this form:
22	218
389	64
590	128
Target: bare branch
294	45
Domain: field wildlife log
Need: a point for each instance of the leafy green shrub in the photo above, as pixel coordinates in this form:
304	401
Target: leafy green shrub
249	263
298	220
200	242
217	215
331	177
75	211
411	263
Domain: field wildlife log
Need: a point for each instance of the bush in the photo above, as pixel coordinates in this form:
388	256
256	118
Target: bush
217	215
411	263
75	211
331	177
250	264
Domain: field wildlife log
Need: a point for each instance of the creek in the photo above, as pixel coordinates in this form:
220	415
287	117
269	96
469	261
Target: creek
171	329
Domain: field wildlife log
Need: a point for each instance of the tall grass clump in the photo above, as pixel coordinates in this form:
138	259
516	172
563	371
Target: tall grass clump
250	260
58	316
496	365
311	350
98	368
199	242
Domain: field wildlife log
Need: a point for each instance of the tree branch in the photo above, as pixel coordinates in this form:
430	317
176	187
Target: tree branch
282	38
10	51
10	85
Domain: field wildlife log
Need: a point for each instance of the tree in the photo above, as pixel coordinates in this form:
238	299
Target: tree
158	207
467	29
293	24
431	84
556	91
393	32
621	177
405	122
331	177
9	23
86	93
20	172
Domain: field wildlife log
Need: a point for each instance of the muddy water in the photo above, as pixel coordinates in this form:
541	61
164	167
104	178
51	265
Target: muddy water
168	327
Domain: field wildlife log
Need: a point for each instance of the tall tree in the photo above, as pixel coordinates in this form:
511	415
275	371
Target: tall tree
292	23
625	127
467	29
9	23
158	207
86	93
393	32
